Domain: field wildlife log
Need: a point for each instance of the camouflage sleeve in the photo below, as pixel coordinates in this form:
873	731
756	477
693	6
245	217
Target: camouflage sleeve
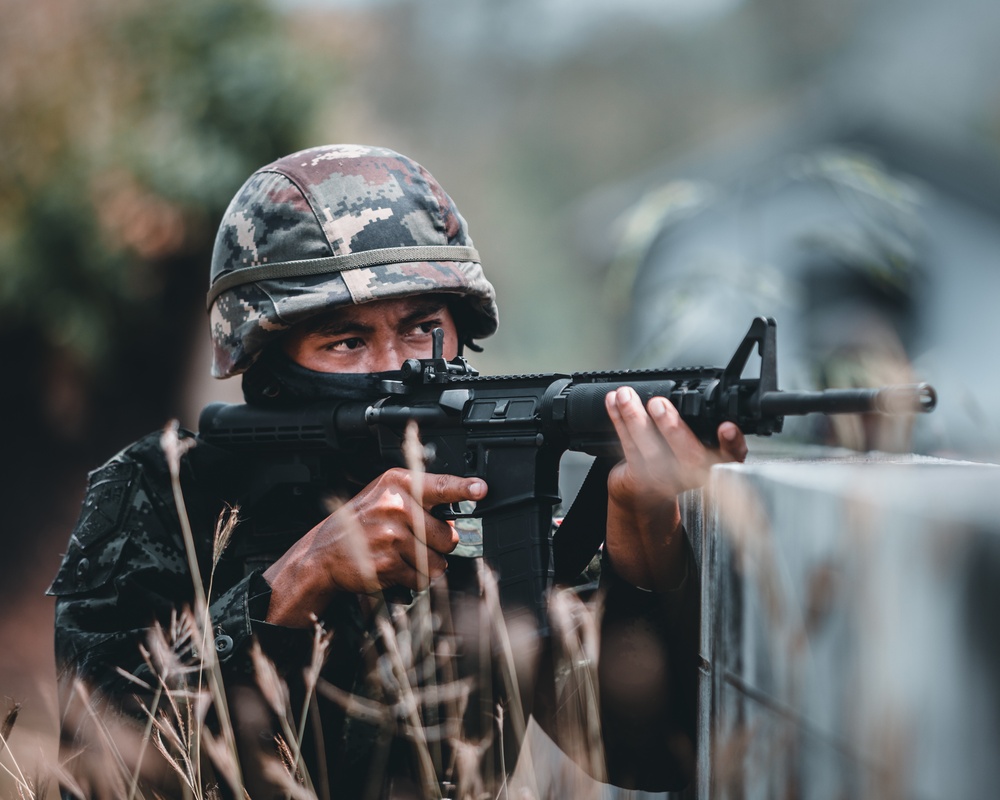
125	570
121	571
238	616
648	676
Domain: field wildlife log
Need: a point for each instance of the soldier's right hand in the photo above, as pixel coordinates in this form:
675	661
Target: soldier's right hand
382	537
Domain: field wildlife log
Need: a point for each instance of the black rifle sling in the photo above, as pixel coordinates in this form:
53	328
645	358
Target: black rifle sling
582	531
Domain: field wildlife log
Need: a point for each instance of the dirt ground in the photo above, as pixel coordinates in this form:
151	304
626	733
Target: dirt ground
40	518
27	677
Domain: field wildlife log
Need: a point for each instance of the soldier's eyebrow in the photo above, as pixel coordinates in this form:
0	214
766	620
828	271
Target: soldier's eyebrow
338	326
423	308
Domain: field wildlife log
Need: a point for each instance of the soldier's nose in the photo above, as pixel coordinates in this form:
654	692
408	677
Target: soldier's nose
386	359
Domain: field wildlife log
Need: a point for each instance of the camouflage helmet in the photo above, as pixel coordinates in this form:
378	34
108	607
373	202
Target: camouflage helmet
333	226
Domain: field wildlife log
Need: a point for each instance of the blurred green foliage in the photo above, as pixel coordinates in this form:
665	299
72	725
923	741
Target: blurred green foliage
125	128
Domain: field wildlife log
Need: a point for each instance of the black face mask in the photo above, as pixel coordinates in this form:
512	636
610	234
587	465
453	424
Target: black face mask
276	380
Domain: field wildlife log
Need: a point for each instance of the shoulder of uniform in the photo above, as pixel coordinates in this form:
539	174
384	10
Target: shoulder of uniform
120	502
112	489
147	453
139	476
147	456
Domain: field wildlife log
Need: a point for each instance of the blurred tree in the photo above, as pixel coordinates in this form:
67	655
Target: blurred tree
126	126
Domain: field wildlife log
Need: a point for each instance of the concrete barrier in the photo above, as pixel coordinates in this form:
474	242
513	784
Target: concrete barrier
850	637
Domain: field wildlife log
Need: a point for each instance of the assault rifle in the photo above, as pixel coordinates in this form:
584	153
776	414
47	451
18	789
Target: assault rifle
512	430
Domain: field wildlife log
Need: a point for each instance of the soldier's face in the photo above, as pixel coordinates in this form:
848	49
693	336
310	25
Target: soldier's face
373	337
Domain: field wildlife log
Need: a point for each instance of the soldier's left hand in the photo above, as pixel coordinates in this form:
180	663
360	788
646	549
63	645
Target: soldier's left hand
663	457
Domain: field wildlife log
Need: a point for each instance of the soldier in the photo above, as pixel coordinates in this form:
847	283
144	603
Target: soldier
333	265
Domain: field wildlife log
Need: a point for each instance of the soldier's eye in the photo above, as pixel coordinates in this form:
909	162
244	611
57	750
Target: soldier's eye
353	343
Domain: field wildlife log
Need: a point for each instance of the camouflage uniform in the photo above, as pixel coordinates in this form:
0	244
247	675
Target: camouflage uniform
314	231
126	566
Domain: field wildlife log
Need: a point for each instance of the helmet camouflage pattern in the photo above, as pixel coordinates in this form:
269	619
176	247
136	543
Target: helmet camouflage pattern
329	227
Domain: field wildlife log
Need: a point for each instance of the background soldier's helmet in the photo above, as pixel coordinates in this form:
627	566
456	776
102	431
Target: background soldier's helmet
334	226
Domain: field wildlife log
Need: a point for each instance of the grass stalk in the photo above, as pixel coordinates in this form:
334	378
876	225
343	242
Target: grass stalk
413	451
174	448
22	783
146	733
425	764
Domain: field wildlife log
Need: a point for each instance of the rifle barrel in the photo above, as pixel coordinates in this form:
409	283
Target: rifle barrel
917	398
